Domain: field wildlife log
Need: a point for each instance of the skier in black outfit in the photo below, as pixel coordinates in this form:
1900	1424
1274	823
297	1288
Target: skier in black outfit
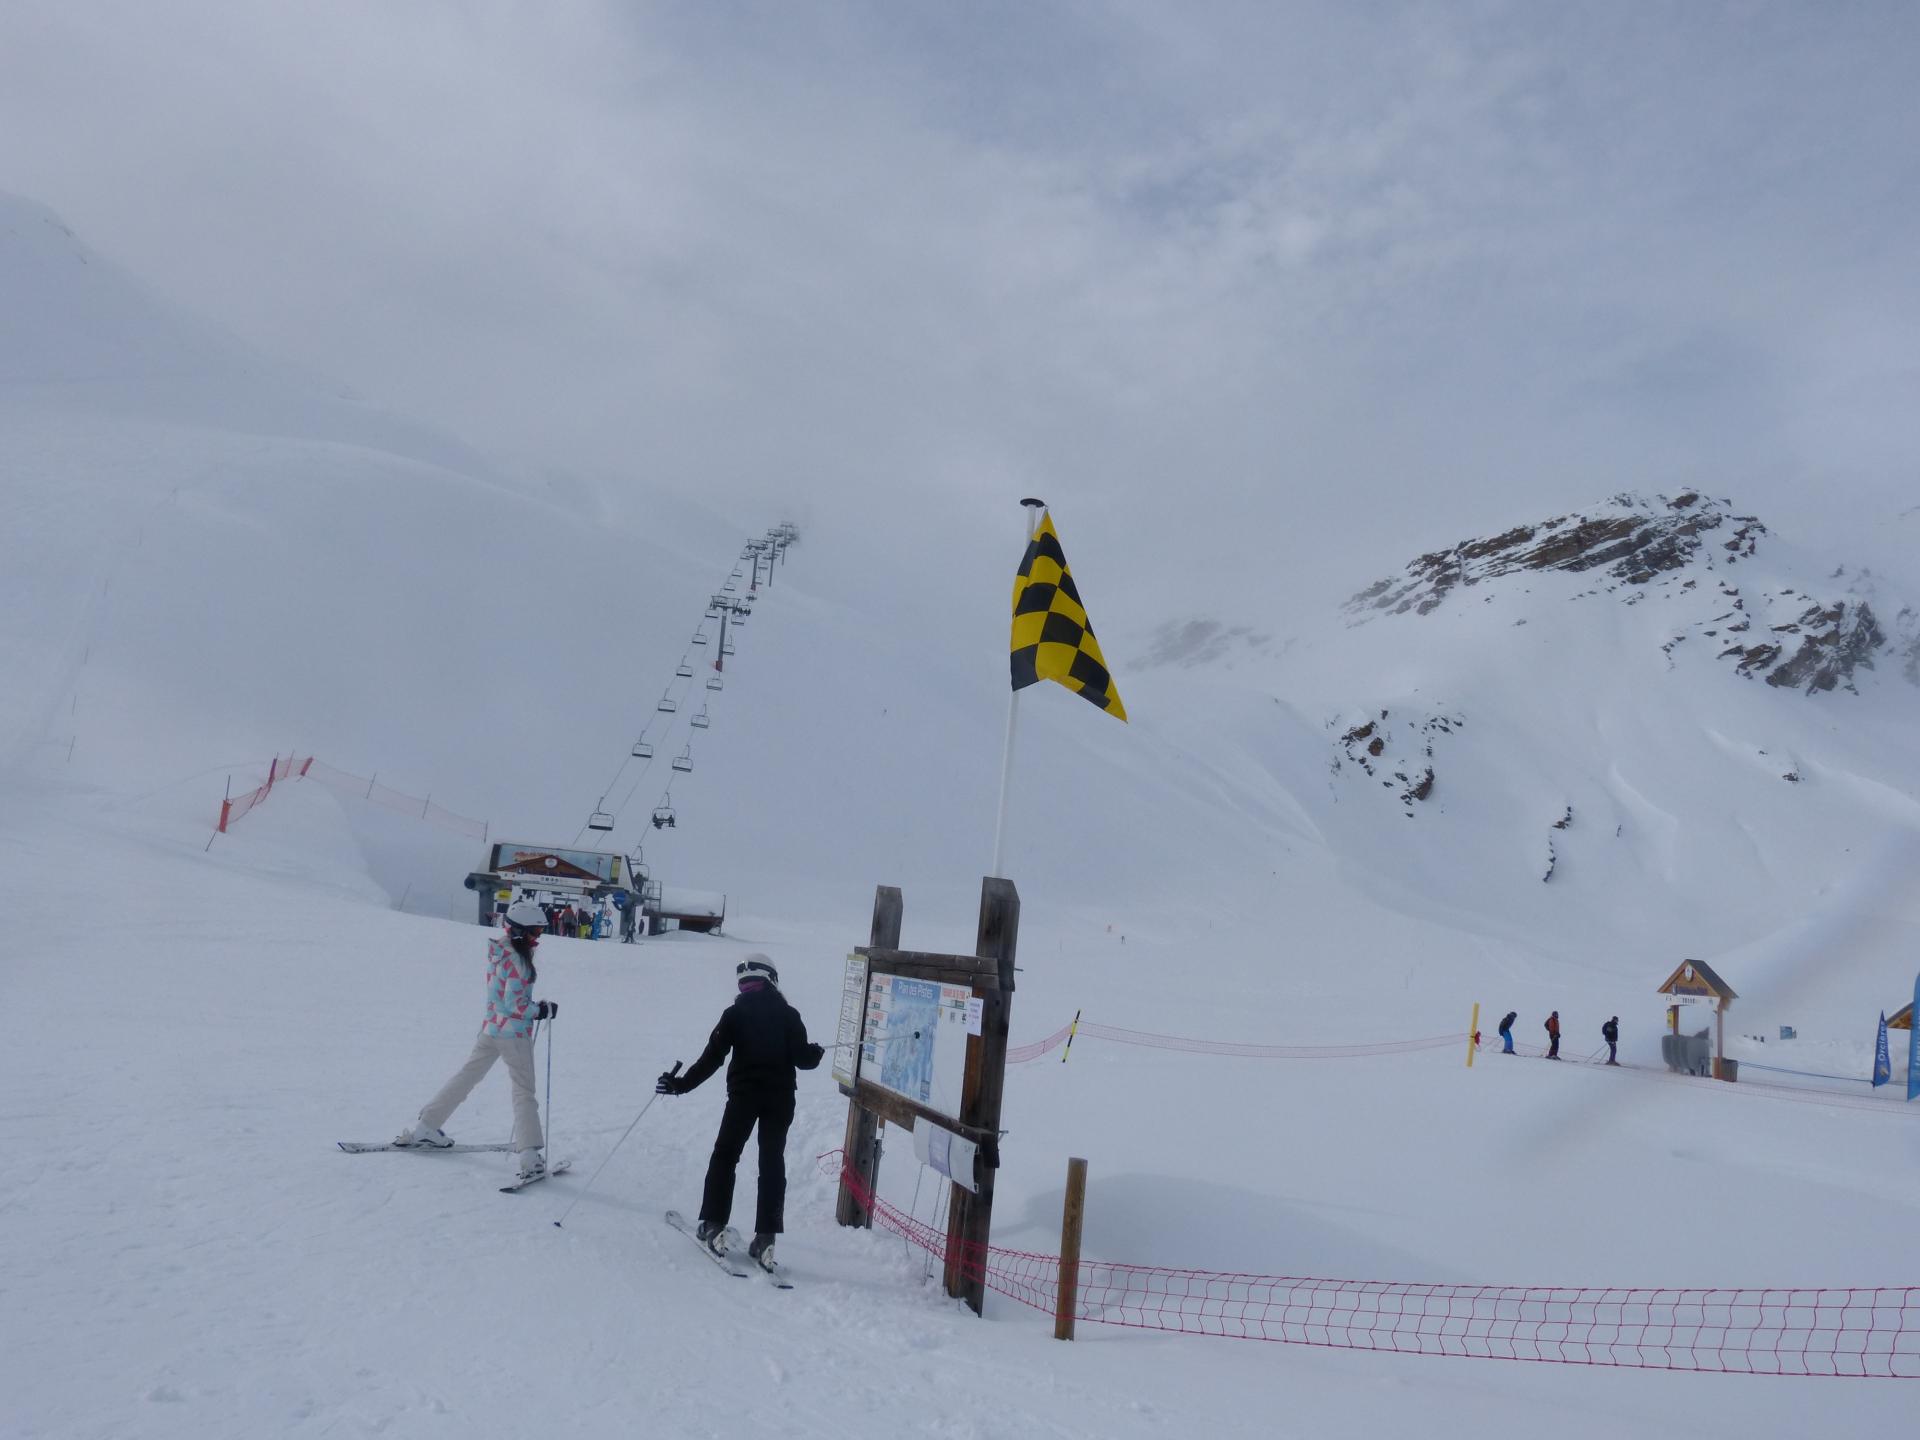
1610	1032
1506	1032
769	1042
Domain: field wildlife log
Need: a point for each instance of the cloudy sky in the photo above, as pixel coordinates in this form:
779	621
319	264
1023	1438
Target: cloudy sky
1260	295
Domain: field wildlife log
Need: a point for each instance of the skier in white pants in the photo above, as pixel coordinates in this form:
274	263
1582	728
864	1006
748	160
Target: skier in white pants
506	1034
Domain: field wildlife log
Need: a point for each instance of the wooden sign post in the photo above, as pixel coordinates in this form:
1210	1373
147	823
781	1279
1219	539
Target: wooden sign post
989	974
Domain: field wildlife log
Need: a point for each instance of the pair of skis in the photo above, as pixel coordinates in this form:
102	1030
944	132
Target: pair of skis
727	1254
559	1167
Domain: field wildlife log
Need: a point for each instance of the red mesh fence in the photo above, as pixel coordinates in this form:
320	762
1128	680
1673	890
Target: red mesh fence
1021	1054
358	787
234	806
1836	1333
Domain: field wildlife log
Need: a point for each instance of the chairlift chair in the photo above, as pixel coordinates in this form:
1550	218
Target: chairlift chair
699	637
727	649
728	587
700	721
683	670
714	682
666	705
662	815
683	762
600	820
737	572
642	750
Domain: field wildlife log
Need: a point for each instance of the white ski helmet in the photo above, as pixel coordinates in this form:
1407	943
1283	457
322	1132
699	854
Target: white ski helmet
525	915
757	967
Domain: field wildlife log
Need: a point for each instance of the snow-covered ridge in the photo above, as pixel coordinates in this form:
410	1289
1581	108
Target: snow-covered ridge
1687	544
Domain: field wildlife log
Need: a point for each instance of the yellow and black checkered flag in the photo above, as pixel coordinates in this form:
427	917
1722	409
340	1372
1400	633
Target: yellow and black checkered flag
1051	637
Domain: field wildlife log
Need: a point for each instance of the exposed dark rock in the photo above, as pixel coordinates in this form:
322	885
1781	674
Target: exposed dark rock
1635	545
1640	540
1829	659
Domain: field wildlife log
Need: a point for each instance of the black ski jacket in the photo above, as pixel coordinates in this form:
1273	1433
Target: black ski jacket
768	1041
1610	1032
1507	1024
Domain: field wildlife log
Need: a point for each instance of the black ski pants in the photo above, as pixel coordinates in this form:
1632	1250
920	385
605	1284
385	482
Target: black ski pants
773	1113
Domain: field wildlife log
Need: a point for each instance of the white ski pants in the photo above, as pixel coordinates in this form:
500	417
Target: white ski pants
517	1051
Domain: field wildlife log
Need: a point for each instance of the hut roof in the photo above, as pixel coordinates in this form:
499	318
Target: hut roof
1696	977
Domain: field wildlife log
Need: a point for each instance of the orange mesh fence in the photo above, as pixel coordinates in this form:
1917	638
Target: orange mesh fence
234	806
1021	1054
359	787
1839	1333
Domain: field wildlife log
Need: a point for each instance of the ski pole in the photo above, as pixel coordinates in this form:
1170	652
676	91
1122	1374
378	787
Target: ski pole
548	1132
616	1144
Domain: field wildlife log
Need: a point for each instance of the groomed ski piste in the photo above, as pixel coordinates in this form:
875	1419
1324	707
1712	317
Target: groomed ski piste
1273	962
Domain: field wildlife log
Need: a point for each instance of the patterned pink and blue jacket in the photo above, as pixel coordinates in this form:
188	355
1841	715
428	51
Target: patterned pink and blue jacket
510	1003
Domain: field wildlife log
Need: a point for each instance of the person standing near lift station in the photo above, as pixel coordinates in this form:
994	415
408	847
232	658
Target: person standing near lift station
768	1041
506	1034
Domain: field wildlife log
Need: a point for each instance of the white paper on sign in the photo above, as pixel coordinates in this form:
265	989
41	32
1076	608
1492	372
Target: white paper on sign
853	1007
945	1153
976	1008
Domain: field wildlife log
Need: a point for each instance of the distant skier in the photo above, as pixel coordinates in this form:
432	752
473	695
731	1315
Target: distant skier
769	1042
1506	1032
506	1034
1553	1036
1610	1032
626	923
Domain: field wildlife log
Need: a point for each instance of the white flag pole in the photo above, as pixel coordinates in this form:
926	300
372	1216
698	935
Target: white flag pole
1030	513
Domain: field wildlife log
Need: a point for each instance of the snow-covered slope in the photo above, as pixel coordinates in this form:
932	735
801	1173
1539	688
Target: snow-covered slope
1538	791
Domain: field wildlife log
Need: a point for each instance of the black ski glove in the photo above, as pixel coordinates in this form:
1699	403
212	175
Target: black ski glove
547	1010
815	1054
669	1083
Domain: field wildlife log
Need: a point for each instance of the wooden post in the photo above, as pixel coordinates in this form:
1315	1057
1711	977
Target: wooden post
1071	1215
970	1222
1473	1033
863	1126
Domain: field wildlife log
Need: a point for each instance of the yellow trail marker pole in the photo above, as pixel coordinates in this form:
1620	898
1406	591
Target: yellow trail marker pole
1072	1030
1473	1033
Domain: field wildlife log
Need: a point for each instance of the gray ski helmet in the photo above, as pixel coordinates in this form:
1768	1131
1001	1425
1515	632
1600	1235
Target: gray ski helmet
757	967
525	915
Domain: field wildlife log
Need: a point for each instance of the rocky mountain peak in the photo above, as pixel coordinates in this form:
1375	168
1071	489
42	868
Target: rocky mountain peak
1633	539
1685	544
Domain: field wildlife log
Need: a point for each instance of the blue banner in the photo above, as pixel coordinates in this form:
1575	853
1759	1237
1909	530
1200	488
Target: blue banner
1913	1044
1882	1061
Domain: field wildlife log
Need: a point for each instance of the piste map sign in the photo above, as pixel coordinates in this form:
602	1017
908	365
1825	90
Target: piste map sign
914	1041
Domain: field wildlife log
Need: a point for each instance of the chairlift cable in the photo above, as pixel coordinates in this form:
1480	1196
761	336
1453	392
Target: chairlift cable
707	612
